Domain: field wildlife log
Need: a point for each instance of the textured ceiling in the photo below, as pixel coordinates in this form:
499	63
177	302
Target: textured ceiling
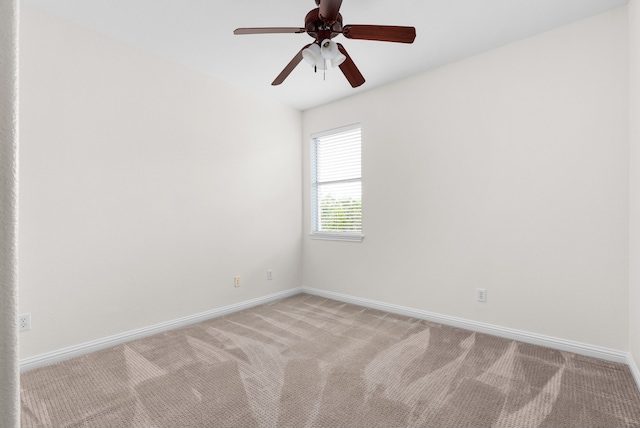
199	35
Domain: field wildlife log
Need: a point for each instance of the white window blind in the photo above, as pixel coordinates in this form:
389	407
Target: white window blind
336	184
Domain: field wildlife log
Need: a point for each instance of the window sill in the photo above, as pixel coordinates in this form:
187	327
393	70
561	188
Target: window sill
328	236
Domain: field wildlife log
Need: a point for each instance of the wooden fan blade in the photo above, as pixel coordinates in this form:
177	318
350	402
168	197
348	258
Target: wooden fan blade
383	33
269	30
350	70
289	68
329	10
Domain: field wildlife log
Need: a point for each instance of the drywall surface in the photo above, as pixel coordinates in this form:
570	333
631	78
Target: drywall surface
506	171
145	189
634	138
9	377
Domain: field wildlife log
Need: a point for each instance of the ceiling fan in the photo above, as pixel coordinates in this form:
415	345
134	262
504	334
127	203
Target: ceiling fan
323	24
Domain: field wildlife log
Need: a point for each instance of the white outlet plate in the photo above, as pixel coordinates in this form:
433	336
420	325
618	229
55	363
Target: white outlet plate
236	281
481	295
24	322
269	274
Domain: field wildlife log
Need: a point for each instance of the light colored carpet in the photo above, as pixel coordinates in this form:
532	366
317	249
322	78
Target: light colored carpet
311	362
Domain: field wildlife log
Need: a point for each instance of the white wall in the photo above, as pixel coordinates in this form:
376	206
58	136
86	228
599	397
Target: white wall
9	376
506	171
634	122
145	188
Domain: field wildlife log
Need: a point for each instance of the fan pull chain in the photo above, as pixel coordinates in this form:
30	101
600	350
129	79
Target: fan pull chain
324	71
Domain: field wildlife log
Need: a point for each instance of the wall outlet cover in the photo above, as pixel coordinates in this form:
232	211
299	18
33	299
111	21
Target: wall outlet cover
24	322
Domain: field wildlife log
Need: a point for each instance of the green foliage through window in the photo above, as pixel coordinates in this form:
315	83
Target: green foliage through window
340	215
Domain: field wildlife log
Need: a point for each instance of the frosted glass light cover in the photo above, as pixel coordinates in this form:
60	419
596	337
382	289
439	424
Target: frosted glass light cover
339	59
329	49
312	54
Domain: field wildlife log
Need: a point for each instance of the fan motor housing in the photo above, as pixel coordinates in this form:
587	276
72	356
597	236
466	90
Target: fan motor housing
316	28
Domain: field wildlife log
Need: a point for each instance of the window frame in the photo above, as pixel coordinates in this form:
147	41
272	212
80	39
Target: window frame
326	235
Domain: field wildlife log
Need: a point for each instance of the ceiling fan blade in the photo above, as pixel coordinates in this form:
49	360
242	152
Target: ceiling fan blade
289	68
329	10
383	33
269	30
350	70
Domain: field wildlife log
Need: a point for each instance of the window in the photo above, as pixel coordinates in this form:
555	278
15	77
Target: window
336	184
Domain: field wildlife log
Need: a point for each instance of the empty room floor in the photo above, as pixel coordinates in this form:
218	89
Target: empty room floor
307	361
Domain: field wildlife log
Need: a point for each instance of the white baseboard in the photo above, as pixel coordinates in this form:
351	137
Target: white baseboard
508	333
634	369
107	342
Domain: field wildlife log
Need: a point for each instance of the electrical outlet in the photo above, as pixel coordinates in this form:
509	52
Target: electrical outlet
481	294
24	322
269	274
236	281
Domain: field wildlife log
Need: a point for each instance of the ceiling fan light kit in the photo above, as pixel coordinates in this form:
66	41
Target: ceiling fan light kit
323	24
318	55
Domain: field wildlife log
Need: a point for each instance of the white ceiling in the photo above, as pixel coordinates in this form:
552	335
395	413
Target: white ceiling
199	35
